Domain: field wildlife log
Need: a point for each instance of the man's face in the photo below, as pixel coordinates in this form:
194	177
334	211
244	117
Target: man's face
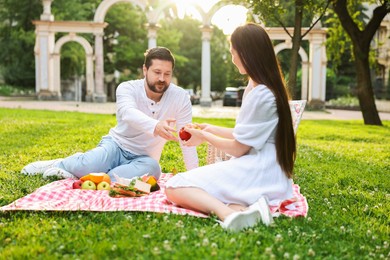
158	76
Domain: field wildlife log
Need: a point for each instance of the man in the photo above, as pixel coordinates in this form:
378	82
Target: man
147	112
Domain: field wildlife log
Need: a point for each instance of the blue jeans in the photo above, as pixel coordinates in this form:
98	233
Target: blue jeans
108	157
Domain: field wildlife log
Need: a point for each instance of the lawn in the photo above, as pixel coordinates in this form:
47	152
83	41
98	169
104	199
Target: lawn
343	169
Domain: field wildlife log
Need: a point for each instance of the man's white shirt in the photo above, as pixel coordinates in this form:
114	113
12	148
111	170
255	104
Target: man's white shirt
137	117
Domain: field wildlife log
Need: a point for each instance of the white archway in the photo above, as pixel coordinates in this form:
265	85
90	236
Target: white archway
313	67
103	7
305	67
89	63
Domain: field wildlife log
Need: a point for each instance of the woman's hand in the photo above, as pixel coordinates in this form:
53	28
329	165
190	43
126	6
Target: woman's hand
197	135
203	126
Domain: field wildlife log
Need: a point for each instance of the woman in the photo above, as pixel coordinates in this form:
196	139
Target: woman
262	143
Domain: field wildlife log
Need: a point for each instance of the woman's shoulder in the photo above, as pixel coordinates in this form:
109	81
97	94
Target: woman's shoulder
262	94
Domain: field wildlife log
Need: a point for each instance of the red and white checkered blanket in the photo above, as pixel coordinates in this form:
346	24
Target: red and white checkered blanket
59	196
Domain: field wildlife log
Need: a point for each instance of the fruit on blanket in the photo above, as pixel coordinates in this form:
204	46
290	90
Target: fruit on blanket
77	184
184	135
152	181
97	177
88	185
103	185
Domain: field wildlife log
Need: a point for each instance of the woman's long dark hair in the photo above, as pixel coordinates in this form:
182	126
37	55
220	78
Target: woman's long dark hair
257	55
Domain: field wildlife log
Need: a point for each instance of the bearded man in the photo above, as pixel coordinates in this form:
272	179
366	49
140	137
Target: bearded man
149	112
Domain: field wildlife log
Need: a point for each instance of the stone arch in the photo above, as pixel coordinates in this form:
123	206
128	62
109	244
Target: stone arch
206	30
305	66
89	63
100	95
46	28
154	15
103	7
213	10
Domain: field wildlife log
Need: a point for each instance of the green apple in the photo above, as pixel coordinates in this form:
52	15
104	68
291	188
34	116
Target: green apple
103	186
88	185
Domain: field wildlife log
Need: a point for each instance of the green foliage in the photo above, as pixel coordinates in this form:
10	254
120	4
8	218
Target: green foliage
338	84
183	37
345	101
17	36
125	40
224	73
342	169
72	60
7	90
281	13
74	10
338	43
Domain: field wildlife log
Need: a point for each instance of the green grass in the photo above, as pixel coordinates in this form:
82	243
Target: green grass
342	168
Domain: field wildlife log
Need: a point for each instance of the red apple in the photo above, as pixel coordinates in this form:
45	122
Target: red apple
77	184
184	135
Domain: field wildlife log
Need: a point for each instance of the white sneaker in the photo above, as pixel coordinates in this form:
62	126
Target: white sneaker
262	206
241	219
39	167
61	173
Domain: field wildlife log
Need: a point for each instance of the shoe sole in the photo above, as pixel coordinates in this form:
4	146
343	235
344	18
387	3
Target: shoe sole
33	170
244	220
265	212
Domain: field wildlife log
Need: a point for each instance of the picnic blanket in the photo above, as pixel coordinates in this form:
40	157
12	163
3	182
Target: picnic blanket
59	196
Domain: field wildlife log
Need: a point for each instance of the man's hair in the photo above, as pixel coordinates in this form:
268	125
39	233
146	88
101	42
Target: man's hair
158	53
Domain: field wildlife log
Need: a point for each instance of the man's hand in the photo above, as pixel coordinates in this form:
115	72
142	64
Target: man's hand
165	129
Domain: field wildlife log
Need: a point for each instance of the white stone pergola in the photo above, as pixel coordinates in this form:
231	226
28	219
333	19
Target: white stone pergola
47	51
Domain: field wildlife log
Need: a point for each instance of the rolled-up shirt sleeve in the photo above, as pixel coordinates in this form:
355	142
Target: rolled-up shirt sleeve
190	154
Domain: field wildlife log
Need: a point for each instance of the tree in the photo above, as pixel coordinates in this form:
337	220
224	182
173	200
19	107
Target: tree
17	36
361	41
182	37
125	40
223	72
278	12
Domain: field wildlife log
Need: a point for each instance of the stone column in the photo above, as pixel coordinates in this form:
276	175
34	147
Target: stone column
57	73
205	99
99	94
89	78
152	34
305	70
324	61
317	78
46	15
44	46
44	83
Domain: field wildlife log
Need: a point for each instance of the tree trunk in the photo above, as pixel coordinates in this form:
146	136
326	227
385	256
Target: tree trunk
296	44
365	91
361	41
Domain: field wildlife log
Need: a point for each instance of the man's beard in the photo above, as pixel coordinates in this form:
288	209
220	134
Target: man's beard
155	89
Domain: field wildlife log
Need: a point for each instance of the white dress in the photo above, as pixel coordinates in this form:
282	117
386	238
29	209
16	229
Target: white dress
245	179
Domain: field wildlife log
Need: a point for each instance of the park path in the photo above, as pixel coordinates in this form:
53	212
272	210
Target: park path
215	111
